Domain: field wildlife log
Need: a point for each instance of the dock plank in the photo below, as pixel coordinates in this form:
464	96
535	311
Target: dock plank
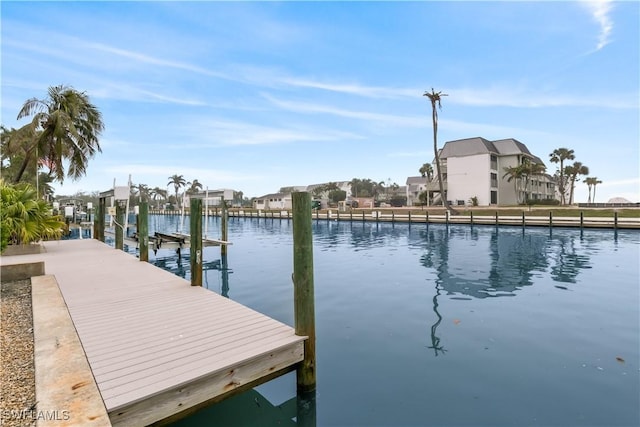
156	345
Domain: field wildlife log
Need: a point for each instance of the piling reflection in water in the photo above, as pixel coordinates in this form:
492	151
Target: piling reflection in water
180	267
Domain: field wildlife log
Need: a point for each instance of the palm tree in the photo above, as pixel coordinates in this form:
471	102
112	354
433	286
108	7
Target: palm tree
65	126
595	183
238	197
142	190
426	171
177	181
44	185
532	169
194	187
559	155
515	174
435	98
572	172
158	194
589	182
520	174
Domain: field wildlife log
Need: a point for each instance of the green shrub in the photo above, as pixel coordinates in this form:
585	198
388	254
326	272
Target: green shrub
543	202
24	217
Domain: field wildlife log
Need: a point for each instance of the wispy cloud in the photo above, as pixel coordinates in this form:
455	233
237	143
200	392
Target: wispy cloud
374	118
212	133
525	98
493	96
108	90
352	88
203	174
601	12
147	59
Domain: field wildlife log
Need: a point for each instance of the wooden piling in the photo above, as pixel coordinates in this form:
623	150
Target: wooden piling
409	217
615	220
496	218
224	227
143	231
119	226
472	218
195	229
550	219
581	219
100	214
523	220
303	291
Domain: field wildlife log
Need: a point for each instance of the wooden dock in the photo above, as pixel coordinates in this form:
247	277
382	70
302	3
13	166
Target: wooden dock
156	346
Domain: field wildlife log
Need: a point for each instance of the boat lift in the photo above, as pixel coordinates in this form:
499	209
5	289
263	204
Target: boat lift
177	241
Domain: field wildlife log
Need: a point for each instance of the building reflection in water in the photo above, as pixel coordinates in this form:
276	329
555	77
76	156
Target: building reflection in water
503	263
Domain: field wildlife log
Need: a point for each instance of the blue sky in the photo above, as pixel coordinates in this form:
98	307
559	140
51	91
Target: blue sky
257	96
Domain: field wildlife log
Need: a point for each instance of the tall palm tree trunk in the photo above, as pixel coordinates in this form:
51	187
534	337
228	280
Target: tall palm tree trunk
434	97
23	167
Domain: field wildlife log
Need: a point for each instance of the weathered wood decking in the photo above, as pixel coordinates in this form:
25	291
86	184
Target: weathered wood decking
157	346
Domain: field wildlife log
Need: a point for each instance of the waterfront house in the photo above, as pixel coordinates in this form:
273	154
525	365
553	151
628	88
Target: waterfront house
273	201
210	198
415	186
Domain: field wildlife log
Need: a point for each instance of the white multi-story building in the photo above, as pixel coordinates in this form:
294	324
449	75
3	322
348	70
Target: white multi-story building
210	197
476	167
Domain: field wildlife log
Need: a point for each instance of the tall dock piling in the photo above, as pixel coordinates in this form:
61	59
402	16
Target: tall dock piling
195	229
224	226
119	228
102	208
303	291
143	231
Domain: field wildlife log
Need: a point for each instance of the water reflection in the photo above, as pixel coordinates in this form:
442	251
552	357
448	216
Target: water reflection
503	263
250	408
180	266
568	261
435	340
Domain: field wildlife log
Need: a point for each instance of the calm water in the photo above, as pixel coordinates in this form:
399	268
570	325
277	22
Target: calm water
442	326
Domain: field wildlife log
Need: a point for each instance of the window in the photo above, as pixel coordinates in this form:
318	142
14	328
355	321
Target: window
494	162
494	197
494	179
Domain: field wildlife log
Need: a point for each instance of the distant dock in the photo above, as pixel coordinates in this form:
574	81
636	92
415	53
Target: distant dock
157	347
424	217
